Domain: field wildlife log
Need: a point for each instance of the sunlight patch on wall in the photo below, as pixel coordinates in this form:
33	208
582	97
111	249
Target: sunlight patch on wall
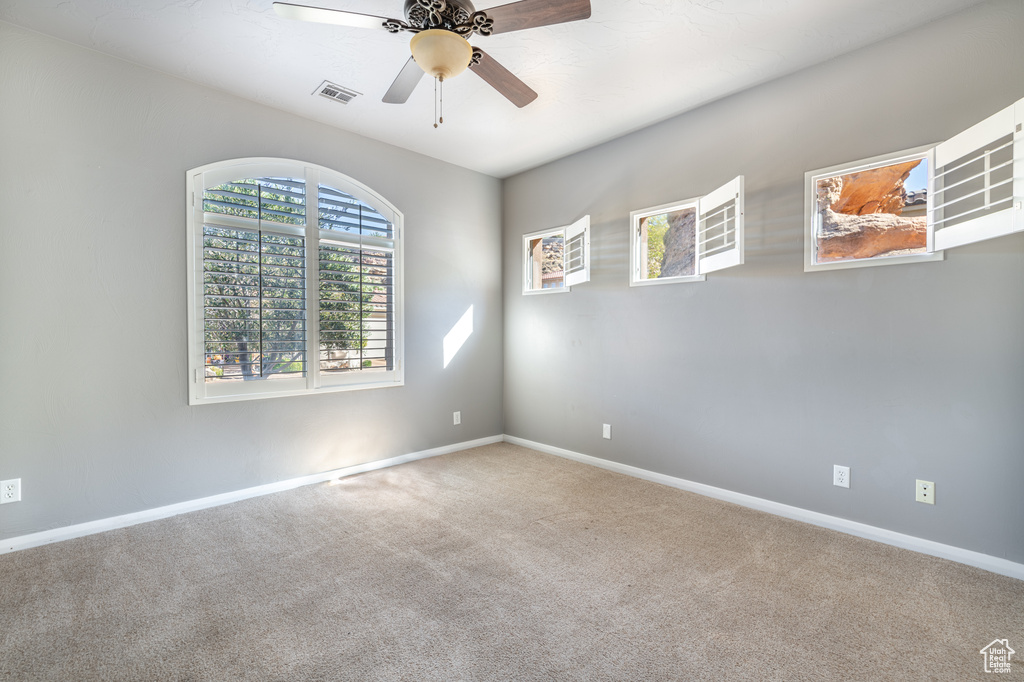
455	338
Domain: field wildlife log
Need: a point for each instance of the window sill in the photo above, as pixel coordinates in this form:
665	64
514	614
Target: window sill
553	290
668	280
240	397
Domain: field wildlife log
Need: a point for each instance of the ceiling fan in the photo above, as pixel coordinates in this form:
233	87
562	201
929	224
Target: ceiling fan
442	27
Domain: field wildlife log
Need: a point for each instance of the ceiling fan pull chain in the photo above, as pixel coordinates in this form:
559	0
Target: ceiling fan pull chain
438	98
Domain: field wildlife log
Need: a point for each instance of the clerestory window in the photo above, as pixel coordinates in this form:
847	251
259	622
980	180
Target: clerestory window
294	282
911	205
685	240
554	260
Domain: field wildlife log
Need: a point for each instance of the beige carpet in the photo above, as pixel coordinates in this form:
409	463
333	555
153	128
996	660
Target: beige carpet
497	563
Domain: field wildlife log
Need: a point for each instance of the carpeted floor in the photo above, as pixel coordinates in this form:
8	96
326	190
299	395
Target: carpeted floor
497	563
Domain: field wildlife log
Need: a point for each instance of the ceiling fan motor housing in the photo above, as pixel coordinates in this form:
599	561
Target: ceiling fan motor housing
453	13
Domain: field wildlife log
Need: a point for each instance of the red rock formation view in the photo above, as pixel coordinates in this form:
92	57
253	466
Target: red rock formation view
861	215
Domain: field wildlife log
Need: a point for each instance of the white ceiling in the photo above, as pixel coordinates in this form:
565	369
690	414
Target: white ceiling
633	63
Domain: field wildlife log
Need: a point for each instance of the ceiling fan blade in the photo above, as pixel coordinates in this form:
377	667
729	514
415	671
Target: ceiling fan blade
503	80
516	16
403	86
327	16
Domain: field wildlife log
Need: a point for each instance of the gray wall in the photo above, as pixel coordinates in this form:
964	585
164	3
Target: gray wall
758	380
93	407
761	378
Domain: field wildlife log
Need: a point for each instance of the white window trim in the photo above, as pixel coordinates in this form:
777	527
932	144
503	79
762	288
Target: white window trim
634	244
812	217
312	382
527	238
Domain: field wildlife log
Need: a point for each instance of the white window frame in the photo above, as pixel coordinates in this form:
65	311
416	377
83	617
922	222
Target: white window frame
312	381
636	244
991	224
704	207
812	217
579	234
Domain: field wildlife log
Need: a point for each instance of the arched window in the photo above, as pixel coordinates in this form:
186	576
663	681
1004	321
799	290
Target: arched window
285	300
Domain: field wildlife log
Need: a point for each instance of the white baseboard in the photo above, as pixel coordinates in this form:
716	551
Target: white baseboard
101	525
888	537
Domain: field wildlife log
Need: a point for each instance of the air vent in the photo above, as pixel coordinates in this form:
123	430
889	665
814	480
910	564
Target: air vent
336	92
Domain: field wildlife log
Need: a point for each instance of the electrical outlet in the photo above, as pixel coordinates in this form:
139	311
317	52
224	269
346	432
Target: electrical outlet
606	431
925	492
841	476
457	418
10	491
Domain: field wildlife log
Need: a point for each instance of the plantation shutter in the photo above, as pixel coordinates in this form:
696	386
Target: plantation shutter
356	287
294	282
720	228
254	280
577	252
978	181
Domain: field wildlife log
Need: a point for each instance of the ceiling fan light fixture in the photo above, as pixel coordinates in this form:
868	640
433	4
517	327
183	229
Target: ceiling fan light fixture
440	53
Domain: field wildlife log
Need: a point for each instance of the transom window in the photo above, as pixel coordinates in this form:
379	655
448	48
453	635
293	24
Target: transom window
283	304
